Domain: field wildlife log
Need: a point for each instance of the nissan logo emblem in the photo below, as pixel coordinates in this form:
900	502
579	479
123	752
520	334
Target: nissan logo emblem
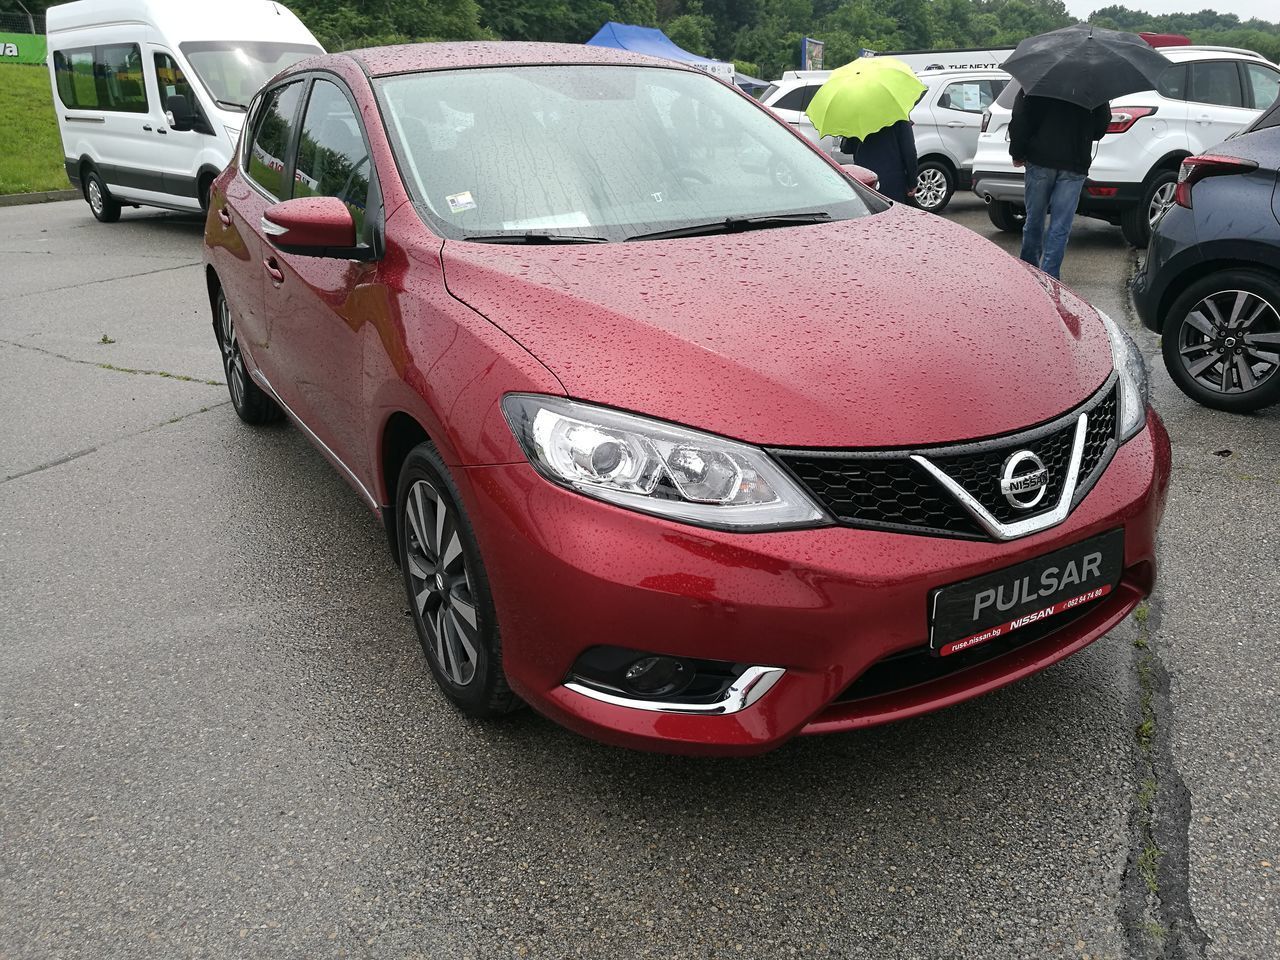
1024	480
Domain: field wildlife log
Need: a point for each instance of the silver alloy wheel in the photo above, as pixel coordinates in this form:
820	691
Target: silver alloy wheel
1230	341
1161	201
442	593
232	359
95	197
931	188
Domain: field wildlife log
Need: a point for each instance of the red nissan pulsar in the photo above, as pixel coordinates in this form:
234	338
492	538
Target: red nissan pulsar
680	434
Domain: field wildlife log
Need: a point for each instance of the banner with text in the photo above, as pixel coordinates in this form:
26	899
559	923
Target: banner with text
22	48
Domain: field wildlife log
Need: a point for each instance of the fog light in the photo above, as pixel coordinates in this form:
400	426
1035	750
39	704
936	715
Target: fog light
657	676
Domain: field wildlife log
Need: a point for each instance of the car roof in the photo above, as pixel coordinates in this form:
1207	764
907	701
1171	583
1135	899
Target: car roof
419	57
1186	53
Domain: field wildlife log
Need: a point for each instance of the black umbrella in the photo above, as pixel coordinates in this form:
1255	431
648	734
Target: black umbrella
1085	65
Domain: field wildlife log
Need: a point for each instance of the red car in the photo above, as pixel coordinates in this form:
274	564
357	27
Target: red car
679	434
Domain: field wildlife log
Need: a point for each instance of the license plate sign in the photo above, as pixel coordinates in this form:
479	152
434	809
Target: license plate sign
977	611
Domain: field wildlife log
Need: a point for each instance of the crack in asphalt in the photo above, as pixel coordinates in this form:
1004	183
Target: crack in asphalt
112	367
90	283
49	465
1155	898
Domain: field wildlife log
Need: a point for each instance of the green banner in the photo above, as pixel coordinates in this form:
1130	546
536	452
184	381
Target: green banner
22	48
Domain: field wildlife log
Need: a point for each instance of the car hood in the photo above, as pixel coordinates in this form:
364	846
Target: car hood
889	330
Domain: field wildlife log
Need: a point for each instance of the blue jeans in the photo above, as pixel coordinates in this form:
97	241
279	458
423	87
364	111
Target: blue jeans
1056	192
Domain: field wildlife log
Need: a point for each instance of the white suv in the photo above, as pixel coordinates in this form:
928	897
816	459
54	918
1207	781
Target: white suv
1205	95
946	120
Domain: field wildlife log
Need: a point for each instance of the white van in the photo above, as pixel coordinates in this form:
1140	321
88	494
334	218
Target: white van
151	94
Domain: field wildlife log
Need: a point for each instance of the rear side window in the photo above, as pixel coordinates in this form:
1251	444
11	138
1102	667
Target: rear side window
108	77
268	155
1262	84
333	160
1216	82
1173	82
1009	94
797	99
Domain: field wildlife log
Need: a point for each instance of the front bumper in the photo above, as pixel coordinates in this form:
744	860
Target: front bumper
569	573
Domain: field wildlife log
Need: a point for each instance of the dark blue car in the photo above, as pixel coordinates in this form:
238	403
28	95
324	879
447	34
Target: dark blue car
1211	283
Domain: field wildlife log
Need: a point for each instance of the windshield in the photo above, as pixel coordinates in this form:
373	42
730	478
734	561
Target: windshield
232	71
605	152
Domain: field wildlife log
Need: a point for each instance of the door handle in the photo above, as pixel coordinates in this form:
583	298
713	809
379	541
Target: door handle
225	217
163	131
146	127
273	270
956	123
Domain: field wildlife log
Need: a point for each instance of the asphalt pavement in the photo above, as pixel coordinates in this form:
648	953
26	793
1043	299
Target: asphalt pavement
220	739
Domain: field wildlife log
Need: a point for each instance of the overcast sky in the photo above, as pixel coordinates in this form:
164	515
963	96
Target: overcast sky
1244	9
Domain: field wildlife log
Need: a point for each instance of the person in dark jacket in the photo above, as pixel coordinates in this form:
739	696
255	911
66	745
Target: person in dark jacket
1054	140
891	153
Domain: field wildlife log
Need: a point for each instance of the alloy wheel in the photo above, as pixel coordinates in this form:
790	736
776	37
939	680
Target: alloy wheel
1230	341
442	592
931	188
232	359
1161	201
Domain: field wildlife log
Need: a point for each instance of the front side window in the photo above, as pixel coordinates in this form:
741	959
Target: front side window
606	152
333	160
1216	82
1263	84
797	99
171	81
108	77
268	154
971	96
233	71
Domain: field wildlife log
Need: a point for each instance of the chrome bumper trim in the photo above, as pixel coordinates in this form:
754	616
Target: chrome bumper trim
754	683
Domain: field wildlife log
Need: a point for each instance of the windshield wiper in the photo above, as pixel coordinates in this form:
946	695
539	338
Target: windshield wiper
530	236
231	103
737	225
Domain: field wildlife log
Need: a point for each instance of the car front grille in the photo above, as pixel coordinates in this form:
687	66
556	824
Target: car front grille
890	490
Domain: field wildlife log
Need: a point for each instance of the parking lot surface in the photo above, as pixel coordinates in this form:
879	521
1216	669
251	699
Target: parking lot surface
220	738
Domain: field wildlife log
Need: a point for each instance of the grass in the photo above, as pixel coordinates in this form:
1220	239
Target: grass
32	156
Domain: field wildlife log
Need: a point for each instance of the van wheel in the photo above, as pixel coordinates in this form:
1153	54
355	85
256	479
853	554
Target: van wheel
1137	222
935	185
1006	216
105	207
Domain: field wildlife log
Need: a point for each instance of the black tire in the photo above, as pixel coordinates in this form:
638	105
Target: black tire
451	580
104	207
935	186
206	184
1136	222
1191	337
251	403
1006	216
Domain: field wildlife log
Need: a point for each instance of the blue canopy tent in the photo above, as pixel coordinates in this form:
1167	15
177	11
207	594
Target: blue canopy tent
655	43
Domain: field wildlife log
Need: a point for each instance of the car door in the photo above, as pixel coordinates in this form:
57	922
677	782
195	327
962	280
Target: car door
261	183
1216	104
314	303
957	117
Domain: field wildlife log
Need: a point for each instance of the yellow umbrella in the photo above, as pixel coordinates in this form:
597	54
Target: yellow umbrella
864	96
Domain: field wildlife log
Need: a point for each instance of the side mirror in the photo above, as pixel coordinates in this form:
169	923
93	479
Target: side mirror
868	178
178	113
313	227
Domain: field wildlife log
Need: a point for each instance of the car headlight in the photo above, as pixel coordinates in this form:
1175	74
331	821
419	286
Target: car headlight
1132	370
657	467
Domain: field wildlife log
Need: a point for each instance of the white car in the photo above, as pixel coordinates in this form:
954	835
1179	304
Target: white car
1205	95
946	122
151	94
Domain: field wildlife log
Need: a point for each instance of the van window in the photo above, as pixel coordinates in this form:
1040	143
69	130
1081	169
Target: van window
1216	82
101	78
171	81
333	160
796	99
268	155
233	71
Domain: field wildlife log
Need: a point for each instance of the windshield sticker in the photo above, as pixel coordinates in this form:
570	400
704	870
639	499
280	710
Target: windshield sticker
460	201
